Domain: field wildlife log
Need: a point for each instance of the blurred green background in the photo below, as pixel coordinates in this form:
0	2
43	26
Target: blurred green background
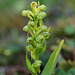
61	19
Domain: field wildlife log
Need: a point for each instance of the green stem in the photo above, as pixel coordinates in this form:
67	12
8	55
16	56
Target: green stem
35	73
30	32
36	57
30	17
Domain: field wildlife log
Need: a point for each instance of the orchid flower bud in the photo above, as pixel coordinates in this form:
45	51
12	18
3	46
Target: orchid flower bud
42	7
41	15
30	48
46	35
33	4
40	39
25	28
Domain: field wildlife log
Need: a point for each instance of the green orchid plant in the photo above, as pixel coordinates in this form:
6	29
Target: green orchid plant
37	33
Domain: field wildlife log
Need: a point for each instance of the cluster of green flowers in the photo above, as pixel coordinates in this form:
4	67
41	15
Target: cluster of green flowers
38	33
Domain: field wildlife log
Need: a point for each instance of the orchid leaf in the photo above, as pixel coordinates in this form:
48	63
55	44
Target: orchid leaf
28	62
52	61
44	48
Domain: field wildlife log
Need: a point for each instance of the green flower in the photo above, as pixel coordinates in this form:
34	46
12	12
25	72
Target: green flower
41	7
39	46
25	13
41	15
43	28
46	35
31	24
40	39
30	40
33	4
30	48
37	64
26	28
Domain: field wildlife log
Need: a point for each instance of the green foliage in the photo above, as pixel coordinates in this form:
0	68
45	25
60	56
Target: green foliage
71	71
70	43
66	65
28	63
44	58
16	5
11	48
61	72
69	30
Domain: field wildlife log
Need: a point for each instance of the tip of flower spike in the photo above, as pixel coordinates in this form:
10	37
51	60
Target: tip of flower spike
33	4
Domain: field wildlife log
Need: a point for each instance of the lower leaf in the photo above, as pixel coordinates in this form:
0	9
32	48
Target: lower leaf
52	61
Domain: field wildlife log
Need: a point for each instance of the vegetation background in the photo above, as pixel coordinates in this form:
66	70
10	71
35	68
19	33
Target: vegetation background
61	19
